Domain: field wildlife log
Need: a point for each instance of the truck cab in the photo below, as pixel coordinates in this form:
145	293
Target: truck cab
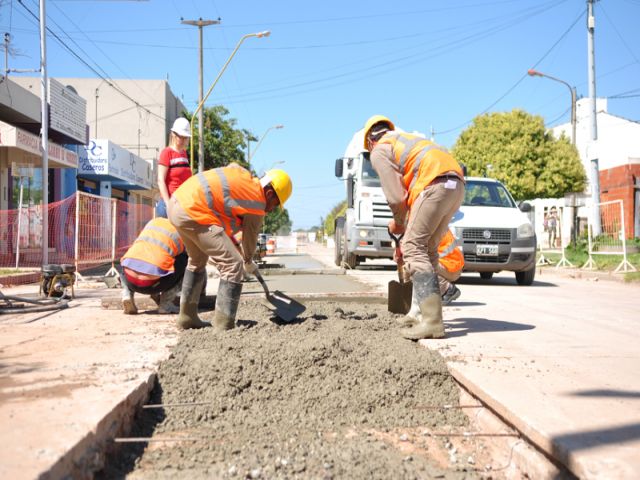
362	232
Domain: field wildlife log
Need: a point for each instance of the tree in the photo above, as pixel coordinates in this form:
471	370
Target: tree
223	142
337	211
277	222
515	148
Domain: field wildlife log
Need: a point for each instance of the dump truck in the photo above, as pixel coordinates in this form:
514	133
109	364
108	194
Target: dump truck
362	232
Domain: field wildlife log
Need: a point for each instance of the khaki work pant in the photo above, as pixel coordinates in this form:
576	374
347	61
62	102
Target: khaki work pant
429	220
203	242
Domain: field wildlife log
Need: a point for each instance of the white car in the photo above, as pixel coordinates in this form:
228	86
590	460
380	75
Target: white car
494	233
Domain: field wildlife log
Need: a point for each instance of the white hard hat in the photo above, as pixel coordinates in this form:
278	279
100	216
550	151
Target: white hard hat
181	127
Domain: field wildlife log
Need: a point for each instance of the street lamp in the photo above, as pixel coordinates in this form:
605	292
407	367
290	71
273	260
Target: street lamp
266	33
260	141
200	23
535	73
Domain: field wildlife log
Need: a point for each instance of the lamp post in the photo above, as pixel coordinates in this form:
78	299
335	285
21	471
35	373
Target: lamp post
535	73
260	141
200	23
266	33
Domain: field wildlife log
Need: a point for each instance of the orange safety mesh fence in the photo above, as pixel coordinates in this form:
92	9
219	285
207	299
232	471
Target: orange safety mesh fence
105	229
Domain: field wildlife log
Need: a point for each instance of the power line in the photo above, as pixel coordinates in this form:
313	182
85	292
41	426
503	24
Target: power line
105	77
613	25
519	81
385	66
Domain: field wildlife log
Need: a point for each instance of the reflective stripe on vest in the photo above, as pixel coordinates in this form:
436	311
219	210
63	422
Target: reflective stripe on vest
158	244
416	165
175	238
228	201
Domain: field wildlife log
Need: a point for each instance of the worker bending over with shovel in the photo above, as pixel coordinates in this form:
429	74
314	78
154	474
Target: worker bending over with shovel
154	265
207	210
423	182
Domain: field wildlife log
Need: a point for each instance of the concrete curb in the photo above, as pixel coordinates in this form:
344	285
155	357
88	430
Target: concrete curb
89	454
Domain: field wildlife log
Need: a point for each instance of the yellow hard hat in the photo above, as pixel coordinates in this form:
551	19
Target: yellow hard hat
281	183
371	122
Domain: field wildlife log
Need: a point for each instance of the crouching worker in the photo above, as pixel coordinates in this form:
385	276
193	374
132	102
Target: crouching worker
451	262
207	210
154	265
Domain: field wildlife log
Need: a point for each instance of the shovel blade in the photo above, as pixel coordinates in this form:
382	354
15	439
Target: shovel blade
286	308
399	295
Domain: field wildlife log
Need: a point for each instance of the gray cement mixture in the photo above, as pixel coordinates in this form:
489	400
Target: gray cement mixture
337	394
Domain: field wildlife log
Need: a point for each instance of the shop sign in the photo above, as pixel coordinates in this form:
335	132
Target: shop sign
106	158
11	136
67	111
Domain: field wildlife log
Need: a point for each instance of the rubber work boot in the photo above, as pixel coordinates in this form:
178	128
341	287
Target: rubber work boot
427	293
413	315
128	304
450	295
192	284
227	302
165	300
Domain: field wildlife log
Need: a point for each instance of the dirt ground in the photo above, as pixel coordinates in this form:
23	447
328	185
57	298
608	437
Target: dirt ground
338	394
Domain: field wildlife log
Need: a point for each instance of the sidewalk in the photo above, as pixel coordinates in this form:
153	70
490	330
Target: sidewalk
66	378
558	360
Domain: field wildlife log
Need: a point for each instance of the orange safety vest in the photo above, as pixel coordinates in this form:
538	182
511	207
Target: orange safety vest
221	196
158	244
420	161
451	258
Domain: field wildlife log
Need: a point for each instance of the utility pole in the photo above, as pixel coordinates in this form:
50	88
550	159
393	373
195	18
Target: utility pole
592	151
200	23
45	133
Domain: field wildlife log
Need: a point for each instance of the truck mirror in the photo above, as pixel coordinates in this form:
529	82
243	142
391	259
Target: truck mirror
338	169
524	207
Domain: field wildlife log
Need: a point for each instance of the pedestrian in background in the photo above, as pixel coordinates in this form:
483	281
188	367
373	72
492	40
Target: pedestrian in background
423	182
207	210
552	227
173	164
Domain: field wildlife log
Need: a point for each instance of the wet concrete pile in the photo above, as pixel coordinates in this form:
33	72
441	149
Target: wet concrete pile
329	396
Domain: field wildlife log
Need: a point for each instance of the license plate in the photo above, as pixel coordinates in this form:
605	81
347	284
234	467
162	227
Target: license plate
487	250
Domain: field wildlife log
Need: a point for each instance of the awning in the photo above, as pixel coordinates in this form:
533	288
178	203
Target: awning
25	149
103	160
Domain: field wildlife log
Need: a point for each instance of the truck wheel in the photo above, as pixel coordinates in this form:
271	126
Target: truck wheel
348	258
526	277
337	238
486	275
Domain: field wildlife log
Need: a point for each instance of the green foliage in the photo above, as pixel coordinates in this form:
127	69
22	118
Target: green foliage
516	149
223	142
277	222
337	211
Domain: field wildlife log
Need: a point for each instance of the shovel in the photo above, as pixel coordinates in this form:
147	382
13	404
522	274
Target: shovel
399	292
287	309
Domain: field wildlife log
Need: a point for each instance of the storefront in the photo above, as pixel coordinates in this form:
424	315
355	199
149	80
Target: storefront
108	170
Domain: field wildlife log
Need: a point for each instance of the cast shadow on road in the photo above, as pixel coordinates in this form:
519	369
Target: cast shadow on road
460	327
566	444
500	281
605	392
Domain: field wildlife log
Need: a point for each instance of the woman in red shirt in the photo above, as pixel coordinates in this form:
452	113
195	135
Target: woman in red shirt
173	164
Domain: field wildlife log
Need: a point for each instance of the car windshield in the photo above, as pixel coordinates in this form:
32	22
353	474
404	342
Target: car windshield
487	194
369	176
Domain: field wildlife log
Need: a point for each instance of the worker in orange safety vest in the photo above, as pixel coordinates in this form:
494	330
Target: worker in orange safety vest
207	210
450	265
424	186
154	265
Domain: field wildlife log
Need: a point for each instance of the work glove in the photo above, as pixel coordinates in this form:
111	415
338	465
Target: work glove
250	267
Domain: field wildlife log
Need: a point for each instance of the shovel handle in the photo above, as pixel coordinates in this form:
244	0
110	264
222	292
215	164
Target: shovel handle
396	240
262	282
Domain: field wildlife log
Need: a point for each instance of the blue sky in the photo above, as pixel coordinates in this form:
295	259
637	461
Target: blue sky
328	66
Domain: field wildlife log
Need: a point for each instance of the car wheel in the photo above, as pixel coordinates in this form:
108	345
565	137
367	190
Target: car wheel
350	259
526	277
486	275
337	238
